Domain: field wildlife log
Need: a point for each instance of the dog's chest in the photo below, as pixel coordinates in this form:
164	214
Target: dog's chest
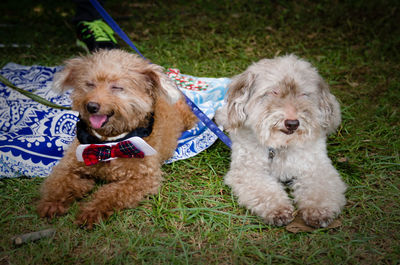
283	165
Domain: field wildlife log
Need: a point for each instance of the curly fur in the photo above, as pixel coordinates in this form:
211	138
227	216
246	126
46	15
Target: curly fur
261	102
127	89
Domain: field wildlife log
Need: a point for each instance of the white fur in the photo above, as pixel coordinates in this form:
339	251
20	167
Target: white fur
170	88
258	103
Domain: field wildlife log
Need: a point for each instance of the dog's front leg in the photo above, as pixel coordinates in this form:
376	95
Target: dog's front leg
319	195
65	184
60	189
116	196
262	194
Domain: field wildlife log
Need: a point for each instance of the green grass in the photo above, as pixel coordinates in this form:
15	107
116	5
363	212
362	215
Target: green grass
194	219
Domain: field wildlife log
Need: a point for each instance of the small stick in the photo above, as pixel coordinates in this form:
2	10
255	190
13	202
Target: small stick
29	237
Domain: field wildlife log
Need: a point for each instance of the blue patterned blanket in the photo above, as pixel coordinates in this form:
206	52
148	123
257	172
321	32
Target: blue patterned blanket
33	137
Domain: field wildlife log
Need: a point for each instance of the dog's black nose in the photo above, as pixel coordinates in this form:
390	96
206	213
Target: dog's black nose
93	107
292	125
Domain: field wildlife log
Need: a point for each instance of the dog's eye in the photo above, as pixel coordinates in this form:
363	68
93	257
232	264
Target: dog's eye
304	95
90	84
117	88
275	92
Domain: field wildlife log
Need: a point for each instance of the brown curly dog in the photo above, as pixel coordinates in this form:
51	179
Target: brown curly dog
116	93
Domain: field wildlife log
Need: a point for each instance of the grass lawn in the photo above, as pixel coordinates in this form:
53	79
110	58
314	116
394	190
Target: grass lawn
194	219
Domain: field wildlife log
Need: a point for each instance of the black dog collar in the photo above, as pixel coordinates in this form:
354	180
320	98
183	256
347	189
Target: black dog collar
84	136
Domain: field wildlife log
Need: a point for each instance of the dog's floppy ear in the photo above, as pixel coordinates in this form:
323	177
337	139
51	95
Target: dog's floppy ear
237	96
161	85
64	79
330	108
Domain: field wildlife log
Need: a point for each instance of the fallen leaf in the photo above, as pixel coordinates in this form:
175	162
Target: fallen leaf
269	28
312	35
298	225
352	84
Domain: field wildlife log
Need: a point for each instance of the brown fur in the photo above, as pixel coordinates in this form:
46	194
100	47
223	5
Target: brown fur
145	89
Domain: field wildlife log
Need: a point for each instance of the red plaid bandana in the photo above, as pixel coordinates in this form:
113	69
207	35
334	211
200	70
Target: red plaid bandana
95	153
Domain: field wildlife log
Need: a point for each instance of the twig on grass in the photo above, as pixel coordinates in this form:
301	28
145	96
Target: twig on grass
33	236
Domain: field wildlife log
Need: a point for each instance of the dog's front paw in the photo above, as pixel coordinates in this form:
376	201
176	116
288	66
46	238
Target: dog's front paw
279	216
317	217
88	216
51	208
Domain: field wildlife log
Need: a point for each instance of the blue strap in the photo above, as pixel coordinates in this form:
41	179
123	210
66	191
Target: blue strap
200	114
209	123
110	21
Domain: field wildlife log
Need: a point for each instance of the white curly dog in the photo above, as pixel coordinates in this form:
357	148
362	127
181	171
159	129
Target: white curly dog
279	113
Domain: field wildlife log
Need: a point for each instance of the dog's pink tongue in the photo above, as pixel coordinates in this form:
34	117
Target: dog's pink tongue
97	121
